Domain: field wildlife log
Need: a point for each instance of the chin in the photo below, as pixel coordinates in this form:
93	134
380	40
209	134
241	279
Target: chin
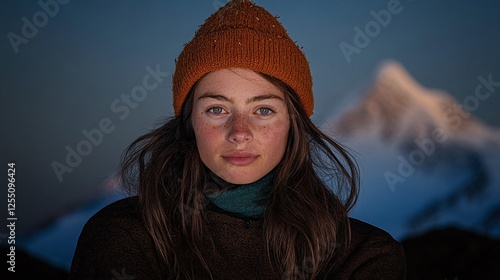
241	179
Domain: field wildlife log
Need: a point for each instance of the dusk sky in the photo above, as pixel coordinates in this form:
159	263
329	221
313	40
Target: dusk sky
65	69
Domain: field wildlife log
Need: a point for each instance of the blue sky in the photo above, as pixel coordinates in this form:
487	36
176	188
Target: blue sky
67	76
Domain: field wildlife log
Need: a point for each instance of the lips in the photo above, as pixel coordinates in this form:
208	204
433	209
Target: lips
240	158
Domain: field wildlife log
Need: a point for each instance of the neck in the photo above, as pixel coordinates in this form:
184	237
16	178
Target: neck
247	200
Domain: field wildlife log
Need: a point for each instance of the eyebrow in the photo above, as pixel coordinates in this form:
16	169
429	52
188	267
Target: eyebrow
250	100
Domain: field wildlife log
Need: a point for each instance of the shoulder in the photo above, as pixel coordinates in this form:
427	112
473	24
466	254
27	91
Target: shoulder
115	238
373	252
119	216
371	240
363	232
121	212
119	220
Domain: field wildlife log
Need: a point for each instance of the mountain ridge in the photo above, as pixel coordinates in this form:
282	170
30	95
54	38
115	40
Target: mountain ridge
433	155
396	106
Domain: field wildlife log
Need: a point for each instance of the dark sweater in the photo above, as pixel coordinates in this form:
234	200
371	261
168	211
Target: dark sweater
114	244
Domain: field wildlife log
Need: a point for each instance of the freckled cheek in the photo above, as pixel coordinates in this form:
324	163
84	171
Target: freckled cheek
275	134
206	135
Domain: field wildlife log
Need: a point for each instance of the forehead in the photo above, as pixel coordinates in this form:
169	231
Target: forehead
236	82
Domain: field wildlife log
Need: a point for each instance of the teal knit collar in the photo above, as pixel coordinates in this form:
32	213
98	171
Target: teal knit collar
247	200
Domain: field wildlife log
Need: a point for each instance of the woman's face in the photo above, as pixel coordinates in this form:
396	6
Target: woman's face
241	124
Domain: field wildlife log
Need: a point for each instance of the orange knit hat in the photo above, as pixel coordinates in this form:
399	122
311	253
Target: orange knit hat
242	34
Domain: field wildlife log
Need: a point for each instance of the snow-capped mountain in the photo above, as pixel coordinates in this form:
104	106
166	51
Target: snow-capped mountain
396	106
421	149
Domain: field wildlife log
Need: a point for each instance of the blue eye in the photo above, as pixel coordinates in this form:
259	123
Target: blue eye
265	111
216	110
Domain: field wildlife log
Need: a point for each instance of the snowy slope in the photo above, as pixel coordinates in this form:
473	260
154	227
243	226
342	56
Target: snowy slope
426	161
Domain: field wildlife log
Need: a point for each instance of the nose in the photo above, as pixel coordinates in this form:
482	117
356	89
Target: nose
239	129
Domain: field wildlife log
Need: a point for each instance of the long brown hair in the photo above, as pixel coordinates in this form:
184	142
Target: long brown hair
306	224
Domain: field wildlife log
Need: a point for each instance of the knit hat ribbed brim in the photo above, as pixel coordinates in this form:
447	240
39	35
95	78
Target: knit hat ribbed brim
242	35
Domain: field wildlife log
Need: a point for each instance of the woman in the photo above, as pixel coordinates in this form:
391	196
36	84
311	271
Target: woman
239	184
